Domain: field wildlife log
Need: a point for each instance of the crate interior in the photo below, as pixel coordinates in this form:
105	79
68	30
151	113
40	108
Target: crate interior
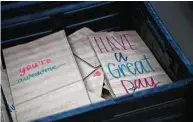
22	22
26	21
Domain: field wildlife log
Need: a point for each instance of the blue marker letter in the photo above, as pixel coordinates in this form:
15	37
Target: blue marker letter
110	71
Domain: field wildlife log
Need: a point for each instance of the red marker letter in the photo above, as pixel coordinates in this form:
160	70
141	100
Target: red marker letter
22	71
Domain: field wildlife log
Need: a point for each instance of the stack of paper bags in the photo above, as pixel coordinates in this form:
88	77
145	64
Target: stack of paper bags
44	77
127	62
54	74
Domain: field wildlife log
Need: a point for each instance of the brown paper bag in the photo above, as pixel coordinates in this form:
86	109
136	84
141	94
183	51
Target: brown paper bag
44	77
87	61
127	62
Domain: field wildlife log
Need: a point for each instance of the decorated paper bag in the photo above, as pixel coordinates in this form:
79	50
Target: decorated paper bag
127	62
44	77
87	60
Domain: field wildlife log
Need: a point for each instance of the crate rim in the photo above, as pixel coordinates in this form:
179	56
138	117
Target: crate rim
114	101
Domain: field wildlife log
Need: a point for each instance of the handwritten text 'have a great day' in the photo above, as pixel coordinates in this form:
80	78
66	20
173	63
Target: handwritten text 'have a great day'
117	43
122	42
124	66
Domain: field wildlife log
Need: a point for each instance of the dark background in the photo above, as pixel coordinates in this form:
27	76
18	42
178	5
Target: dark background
178	18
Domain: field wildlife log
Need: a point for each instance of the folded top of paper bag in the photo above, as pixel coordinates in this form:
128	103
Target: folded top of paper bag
81	46
87	60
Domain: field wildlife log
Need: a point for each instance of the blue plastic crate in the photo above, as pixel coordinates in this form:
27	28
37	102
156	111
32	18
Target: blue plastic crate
25	21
